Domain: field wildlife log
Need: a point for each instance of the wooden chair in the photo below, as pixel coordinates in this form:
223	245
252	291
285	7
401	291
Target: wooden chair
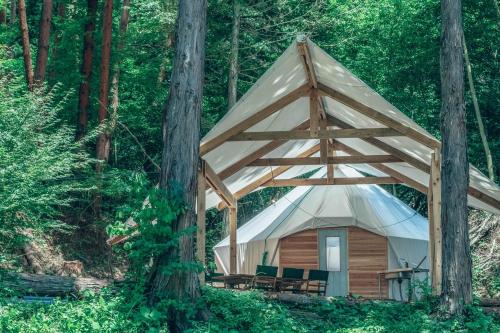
317	282
292	279
209	278
265	277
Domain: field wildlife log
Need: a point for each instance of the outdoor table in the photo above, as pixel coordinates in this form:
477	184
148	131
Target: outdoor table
233	280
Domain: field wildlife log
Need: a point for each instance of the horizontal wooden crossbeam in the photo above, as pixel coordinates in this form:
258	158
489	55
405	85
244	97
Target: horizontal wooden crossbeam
336	181
319	134
219	187
331	160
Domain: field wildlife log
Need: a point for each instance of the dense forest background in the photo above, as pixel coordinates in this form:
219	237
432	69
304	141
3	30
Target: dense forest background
48	183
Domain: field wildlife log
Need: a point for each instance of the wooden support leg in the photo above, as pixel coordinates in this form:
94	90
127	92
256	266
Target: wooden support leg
436	217
232	239
200	209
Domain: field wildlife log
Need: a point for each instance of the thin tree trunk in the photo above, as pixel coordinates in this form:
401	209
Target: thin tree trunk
86	70
482	131
180	156
61	13
232	87
23	23
42	55
116	75
13	11
457	263
102	148
3	15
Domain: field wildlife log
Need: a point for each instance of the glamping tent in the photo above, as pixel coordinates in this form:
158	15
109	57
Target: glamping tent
354	231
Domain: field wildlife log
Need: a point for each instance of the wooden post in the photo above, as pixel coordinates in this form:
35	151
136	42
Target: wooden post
430	217
435	188
330	167
313	113
200	221
233	213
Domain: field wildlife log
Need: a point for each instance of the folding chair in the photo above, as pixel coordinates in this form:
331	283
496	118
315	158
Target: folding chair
317	282
292	279
265	277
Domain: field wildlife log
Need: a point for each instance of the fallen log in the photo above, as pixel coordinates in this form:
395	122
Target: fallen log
490	302
48	285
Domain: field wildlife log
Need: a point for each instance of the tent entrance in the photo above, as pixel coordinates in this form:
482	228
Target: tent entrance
333	258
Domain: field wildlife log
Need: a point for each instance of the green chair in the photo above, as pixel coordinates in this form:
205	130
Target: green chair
291	279
265	277
317	282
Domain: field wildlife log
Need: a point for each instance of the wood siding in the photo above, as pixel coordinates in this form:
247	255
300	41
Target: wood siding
367	254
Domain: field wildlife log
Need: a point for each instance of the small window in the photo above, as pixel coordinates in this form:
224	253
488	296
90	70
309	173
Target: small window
333	254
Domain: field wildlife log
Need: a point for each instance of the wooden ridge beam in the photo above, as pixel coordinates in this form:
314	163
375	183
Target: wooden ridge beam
305	57
321	134
379	117
331	160
267	177
254	119
237	166
219	187
336	181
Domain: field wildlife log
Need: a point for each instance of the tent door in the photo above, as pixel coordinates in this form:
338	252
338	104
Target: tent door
333	258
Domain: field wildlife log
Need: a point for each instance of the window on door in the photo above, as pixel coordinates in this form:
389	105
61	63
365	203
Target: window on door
333	254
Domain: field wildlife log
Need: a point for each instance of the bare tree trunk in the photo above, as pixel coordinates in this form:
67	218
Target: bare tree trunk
232	86
457	263
13	11
102	148
181	139
42	55
482	131
23	23
86	70
116	75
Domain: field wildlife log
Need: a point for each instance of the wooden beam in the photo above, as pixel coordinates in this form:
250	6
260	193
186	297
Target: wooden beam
218	186
269	176
430	217
383	146
436	216
330	167
200	219
331	160
484	197
305	57
313	113
254	119
321	134
233	226
323	143
379	117
337	181
237	166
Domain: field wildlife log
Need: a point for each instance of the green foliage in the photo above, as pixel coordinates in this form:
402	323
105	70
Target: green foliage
40	164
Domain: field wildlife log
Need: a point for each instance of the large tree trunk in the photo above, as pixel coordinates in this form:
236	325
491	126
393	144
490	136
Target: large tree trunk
232	86
23	23
116	75
181	140
42	55
102	147
48	285
86	70
457	263
482	131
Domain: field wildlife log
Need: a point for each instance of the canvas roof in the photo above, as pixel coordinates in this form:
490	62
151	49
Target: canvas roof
288	76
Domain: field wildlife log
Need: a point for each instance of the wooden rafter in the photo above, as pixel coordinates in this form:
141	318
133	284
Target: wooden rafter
368	159
219	187
305	57
254	119
337	181
267	177
379	117
321	134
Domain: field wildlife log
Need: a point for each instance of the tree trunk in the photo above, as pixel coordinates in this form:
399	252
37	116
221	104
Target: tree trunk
180	156
48	285
232	86
457	263
86	70
42	55
13	11
3	15
103	140
116	75
23	23
482	131
61	13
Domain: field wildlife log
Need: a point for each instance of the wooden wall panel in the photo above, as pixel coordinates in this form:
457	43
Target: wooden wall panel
300	250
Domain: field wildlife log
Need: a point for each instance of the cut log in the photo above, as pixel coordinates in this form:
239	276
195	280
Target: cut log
48	285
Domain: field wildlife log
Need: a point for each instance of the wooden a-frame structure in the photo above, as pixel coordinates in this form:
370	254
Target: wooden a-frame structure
345	120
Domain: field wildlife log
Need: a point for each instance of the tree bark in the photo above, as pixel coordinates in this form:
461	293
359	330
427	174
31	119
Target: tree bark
457	263
180	156
3	15
232	86
116	75
23	23
86	70
42	55
61	13
482	131
48	285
